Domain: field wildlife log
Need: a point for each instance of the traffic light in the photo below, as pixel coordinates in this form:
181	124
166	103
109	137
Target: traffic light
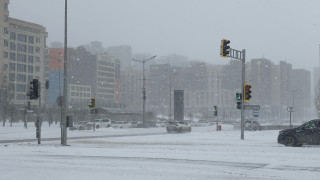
34	89
239	96
92	104
225	48
247	92
238	104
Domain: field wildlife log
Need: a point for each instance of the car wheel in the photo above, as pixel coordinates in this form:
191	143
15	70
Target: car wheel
291	141
108	126
189	130
97	126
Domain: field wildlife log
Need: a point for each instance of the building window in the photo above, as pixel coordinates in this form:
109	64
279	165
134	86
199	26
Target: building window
21	68
30	40
5	54
22	37
37	49
37	68
6	6
21	88
12	35
37	59
6	18
30	59
30	69
12	56
5	30
12	77
30	78
21	48
21	58
5	43
12	46
12	67
30	49
5	67
21	78
21	97
37	39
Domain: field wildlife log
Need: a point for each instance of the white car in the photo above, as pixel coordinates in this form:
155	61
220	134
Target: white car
121	124
178	127
103	123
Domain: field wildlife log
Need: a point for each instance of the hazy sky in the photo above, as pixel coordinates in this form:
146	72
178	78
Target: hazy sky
275	29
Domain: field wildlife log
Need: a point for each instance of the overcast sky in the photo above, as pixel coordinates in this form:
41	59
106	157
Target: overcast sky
275	29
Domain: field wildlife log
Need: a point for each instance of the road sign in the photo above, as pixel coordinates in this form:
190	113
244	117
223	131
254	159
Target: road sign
290	109
255	112
251	106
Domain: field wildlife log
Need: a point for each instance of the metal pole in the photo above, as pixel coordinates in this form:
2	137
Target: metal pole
170	96
290	119
143	96
64	114
242	89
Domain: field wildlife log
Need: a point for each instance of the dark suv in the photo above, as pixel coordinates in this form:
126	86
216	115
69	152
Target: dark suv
307	133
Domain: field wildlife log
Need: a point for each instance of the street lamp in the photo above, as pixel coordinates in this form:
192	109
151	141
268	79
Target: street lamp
65	99
144	96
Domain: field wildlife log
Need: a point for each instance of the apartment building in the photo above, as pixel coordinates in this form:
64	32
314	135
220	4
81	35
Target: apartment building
23	56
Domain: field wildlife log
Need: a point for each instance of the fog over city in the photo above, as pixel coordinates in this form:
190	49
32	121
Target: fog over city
283	30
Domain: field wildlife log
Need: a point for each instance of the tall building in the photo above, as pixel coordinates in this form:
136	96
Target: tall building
4	61
24	52
260	78
301	90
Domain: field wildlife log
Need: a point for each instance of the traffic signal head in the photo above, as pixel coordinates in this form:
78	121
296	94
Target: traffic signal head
239	105
247	92
225	48
35	88
239	96
92	104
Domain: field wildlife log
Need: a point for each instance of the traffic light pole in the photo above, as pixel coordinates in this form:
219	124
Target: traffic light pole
240	55
242	87
226	51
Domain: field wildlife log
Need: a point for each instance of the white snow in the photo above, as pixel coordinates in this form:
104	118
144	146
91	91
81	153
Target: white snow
202	154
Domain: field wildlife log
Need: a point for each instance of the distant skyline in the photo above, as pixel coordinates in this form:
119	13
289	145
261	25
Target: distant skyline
274	29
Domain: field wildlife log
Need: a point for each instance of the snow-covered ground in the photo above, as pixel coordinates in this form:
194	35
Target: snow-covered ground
202	154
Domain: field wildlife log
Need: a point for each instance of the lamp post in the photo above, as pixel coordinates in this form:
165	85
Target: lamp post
65	99
144	96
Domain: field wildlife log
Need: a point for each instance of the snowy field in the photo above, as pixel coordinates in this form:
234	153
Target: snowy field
202	154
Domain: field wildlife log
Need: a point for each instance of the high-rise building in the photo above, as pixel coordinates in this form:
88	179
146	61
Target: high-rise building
260	79
22	56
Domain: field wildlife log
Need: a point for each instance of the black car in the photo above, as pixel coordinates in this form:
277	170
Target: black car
307	133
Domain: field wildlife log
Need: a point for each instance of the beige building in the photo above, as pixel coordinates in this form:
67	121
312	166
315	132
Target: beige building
23	56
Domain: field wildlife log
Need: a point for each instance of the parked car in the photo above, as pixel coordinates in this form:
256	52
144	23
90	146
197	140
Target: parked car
85	125
103	123
178	127
252	125
307	133
121	124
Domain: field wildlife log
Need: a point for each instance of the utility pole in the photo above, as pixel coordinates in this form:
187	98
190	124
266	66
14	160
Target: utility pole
65	99
144	96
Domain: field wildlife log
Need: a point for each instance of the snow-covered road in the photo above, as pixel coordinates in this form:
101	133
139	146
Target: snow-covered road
202	154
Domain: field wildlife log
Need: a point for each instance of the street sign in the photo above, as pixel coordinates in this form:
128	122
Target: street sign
255	112
251	106
290	109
